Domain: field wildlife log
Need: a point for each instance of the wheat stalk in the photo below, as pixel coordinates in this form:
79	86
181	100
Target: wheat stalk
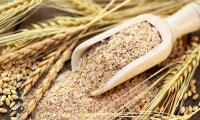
160	8
80	7
30	49
62	21
36	48
15	12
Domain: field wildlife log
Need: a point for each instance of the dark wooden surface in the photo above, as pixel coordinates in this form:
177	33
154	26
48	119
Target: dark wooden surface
189	101
192	102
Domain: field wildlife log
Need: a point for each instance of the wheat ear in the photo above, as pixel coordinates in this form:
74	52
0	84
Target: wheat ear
53	72
62	21
15	12
81	7
35	48
43	67
176	81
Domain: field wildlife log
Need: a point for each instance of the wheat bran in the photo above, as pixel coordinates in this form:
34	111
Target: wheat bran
107	57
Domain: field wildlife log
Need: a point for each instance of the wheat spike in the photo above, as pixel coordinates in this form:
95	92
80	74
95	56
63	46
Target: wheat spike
35	48
55	69
176	81
43	67
15	12
160	8
80	7
62	21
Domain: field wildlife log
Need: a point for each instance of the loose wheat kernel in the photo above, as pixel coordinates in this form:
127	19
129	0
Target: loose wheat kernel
193	89
1	103
3	98
186	110
182	110
1	90
13	113
13	118
12	104
189	93
3	110
10	98
13	92
185	96
193	81
6	91
6	79
1	82
18	77
190	109
19	84
195	108
195	97
5	85
15	97
7	102
14	107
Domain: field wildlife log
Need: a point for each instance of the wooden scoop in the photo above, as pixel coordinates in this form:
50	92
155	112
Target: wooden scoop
184	21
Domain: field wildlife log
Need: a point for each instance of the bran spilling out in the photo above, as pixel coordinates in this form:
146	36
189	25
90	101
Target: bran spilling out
65	100
106	58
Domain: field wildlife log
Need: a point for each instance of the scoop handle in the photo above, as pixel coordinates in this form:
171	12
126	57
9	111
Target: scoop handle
185	20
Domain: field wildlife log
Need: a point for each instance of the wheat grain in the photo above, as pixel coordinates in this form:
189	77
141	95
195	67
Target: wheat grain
13	113
195	108
1	103
195	97
182	110
12	104
3	110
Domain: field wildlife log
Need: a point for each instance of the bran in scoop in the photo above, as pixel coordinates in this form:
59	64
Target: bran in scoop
104	59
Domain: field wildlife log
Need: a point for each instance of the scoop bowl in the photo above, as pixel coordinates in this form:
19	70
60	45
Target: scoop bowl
169	29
